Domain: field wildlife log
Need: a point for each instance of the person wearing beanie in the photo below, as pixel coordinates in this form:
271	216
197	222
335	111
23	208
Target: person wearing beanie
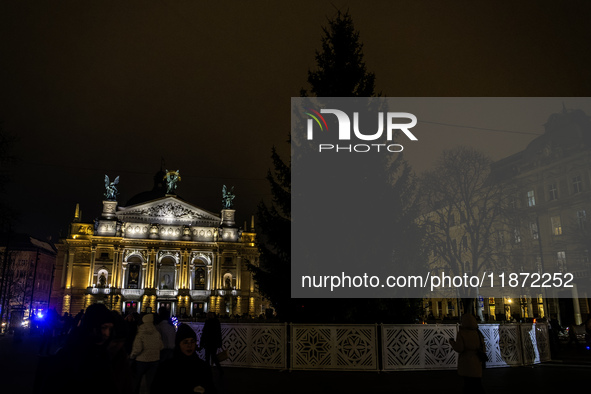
191	374
146	351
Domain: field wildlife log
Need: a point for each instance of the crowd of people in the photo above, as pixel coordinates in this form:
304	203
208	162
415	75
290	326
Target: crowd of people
104	351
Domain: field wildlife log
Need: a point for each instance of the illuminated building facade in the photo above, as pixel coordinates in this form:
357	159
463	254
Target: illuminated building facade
157	251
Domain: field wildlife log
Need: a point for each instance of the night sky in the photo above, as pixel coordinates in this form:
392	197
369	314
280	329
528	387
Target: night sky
107	87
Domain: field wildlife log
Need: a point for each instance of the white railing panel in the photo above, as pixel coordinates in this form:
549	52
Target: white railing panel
355	347
535	343
334	347
502	344
252	345
425	346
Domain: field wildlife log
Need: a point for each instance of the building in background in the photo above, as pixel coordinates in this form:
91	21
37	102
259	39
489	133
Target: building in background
26	276
553	195
158	251
546	231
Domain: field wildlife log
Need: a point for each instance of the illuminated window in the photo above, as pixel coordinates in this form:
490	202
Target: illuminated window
556	226
531	198
552	192
577	184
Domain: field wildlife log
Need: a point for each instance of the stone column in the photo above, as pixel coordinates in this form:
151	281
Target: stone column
576	305
238	272
117	259
530	308
238	310
144	274
91	272
123	275
70	272
185	269
209	283
151	268
178	268
155	270
217	262
251	307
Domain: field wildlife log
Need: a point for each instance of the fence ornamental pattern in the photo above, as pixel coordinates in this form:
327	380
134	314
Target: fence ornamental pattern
355	347
418	347
252	345
334	347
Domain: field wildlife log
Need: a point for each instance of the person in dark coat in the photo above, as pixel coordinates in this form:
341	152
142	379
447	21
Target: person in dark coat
467	343
185	372
91	350
211	339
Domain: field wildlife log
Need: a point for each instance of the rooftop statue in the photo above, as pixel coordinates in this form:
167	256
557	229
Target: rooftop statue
111	193
227	198
172	177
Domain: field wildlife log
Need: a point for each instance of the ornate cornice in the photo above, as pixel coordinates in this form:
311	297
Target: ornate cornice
172	253
208	257
139	252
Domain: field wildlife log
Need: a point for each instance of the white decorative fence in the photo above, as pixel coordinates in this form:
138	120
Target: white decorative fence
420	346
335	347
362	347
252	345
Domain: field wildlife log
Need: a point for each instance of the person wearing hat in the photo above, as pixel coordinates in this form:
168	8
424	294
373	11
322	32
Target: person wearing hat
191	374
146	351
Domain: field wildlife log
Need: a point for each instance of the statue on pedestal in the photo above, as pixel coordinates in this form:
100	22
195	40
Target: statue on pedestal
172	177
111	193
227	198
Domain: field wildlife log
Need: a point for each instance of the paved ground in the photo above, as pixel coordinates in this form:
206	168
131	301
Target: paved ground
18	363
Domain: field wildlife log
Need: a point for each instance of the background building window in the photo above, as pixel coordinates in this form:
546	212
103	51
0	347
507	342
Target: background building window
561	261
552	192
531	199
556	226
581	218
534	230
577	184
516	236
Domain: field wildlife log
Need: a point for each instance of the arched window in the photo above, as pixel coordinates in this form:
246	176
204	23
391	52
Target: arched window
166	277
228	282
200	278
102	278
134	269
